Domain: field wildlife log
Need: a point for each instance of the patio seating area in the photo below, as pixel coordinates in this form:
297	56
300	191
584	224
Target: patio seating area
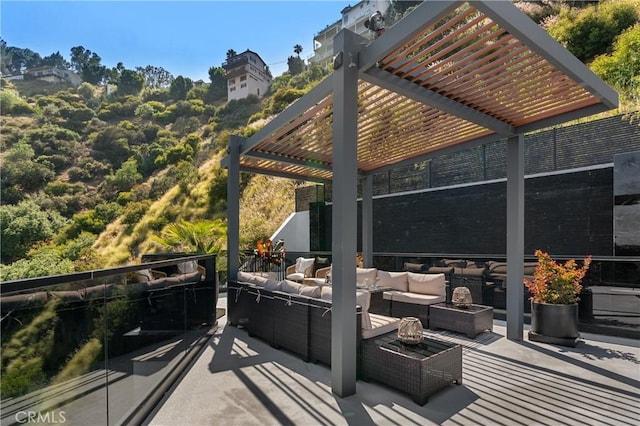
241	380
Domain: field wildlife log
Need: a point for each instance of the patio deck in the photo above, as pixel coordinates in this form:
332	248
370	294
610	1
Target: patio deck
239	380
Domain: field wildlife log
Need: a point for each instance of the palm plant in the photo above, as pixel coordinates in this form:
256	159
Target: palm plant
231	53
297	49
205	236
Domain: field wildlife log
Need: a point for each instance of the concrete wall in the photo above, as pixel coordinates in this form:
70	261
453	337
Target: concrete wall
295	232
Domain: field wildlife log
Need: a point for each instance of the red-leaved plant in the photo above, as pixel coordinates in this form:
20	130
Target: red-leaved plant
556	283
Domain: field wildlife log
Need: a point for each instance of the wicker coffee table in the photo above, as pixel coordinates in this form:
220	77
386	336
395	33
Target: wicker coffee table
471	321
419	370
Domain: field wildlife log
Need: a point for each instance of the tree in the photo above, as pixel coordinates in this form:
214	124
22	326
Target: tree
130	83
296	65
297	49
231	53
179	87
155	77
79	57
590	32
126	176
88	64
56	60
24	225
22	59
621	68
218	87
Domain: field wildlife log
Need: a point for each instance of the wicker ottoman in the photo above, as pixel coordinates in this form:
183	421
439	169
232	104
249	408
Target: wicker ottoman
419	370
471	321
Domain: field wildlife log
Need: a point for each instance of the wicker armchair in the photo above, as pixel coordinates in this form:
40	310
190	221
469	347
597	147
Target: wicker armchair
294	274
323	272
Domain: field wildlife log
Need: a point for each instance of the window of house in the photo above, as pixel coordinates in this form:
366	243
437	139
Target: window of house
232	81
232	89
243	78
243	85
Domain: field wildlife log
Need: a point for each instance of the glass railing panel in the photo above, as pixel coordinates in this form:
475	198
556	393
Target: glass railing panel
52	355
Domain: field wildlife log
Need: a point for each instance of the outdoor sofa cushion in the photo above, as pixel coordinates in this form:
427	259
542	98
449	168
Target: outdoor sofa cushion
395	280
415	298
427	284
366	276
380	324
414	267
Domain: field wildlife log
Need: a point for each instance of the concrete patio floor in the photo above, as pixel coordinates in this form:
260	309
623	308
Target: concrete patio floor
239	380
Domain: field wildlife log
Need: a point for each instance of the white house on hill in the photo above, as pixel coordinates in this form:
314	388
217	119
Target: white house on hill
353	18
246	74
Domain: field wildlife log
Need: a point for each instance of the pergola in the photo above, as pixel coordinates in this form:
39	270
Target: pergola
449	76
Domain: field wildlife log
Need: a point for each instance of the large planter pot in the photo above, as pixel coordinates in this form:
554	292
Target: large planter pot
555	324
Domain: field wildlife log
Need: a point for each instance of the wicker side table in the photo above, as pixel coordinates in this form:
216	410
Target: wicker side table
419	370
471	321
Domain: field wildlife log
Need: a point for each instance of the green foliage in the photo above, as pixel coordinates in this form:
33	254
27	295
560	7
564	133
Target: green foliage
81	361
135	211
590	32
217	90
40	264
12	103
126	176
621	69
93	221
179	87
295	64
198	237
56	189
236	113
52	139
282	99
24	355
21	173
130	83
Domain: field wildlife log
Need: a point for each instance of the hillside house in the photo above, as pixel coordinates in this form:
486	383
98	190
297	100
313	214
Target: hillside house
246	74
50	74
353	18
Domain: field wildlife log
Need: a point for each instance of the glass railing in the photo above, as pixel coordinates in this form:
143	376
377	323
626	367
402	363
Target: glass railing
100	347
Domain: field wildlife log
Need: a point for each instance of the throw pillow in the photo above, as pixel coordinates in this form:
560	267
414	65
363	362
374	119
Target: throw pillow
303	263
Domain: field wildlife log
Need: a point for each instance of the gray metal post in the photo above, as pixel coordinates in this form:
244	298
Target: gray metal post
344	214
367	221
515	237
233	207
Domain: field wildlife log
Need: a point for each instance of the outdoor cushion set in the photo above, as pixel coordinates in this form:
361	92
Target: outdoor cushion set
297	317
485	280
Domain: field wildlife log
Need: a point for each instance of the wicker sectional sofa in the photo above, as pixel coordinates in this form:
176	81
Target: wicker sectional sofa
409	294
296	317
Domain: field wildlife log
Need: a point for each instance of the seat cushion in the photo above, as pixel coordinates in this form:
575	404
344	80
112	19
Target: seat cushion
427	284
311	291
395	280
417	299
296	276
251	278
388	295
380	324
366	276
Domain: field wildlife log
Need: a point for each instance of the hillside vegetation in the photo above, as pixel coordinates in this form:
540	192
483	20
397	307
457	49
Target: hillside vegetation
97	175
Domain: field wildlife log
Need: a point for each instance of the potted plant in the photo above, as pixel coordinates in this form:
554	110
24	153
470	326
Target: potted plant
555	292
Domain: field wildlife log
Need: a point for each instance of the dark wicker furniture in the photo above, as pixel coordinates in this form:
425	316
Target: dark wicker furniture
419	370
403	309
378	304
471	321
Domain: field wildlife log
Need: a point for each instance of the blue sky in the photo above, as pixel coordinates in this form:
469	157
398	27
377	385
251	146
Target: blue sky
183	37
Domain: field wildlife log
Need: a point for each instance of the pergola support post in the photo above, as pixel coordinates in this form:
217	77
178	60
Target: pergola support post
515	237
367	221
344	214
233	207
